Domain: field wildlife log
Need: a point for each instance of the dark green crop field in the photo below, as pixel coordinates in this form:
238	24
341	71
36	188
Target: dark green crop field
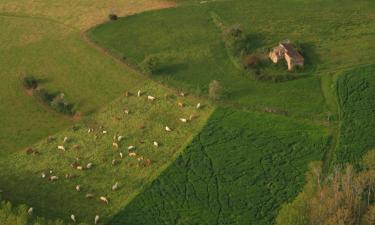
238	170
356	94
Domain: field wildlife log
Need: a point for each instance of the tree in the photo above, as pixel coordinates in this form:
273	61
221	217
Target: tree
150	64
345	197
215	90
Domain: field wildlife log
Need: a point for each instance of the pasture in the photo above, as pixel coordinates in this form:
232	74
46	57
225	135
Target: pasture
238	170
20	176
192	51
44	39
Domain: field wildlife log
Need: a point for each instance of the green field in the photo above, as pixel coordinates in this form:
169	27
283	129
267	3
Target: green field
193	51
234	162
238	170
20	174
356	94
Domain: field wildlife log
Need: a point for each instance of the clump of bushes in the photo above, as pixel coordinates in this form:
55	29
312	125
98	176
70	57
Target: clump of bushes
235	40
59	104
56	101
150	64
29	82
112	16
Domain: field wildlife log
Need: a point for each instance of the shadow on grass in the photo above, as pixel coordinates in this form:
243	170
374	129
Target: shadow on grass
171	68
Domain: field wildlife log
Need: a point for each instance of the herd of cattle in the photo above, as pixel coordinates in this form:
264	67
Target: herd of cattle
115	145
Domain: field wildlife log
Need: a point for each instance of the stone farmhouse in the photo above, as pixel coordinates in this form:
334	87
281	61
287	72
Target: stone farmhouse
286	50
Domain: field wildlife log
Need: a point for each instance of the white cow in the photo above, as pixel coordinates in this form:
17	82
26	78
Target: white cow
73	218
30	211
115	186
104	199
96	221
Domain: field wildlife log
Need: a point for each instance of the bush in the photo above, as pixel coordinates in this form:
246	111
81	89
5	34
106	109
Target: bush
215	90
150	64
250	61
112	16
60	105
30	82
43	95
235	40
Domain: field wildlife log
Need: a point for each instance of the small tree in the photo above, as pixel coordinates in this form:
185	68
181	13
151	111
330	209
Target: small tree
150	64
29	82
215	90
235	40
112	16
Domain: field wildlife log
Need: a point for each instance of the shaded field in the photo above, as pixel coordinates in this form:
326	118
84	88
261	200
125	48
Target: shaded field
356	96
238	170
43	38
20	173
192	51
58	57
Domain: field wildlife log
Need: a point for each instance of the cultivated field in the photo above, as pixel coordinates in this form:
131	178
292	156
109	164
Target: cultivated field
356	94
239	170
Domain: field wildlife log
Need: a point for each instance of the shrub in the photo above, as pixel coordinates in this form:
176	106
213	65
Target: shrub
235	40
43	95
112	16
215	90
150	64
250	61
30	82
60	105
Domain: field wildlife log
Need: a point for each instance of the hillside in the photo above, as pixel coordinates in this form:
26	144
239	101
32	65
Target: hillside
155	142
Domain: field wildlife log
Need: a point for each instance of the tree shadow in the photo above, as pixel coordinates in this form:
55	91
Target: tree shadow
254	41
171	68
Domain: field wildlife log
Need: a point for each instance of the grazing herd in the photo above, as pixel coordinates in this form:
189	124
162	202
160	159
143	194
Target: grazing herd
115	145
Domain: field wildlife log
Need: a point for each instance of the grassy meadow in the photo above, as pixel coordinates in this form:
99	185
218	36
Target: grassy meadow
192	51
20	176
44	39
238	170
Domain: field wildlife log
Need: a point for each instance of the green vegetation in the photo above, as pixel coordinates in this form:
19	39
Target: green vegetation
150	64
238	170
29	82
243	165
196	54
344	197
10	215
356	96
143	123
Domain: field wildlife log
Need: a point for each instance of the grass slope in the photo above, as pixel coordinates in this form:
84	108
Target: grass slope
239	170
356	94
193	52
20	173
34	40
